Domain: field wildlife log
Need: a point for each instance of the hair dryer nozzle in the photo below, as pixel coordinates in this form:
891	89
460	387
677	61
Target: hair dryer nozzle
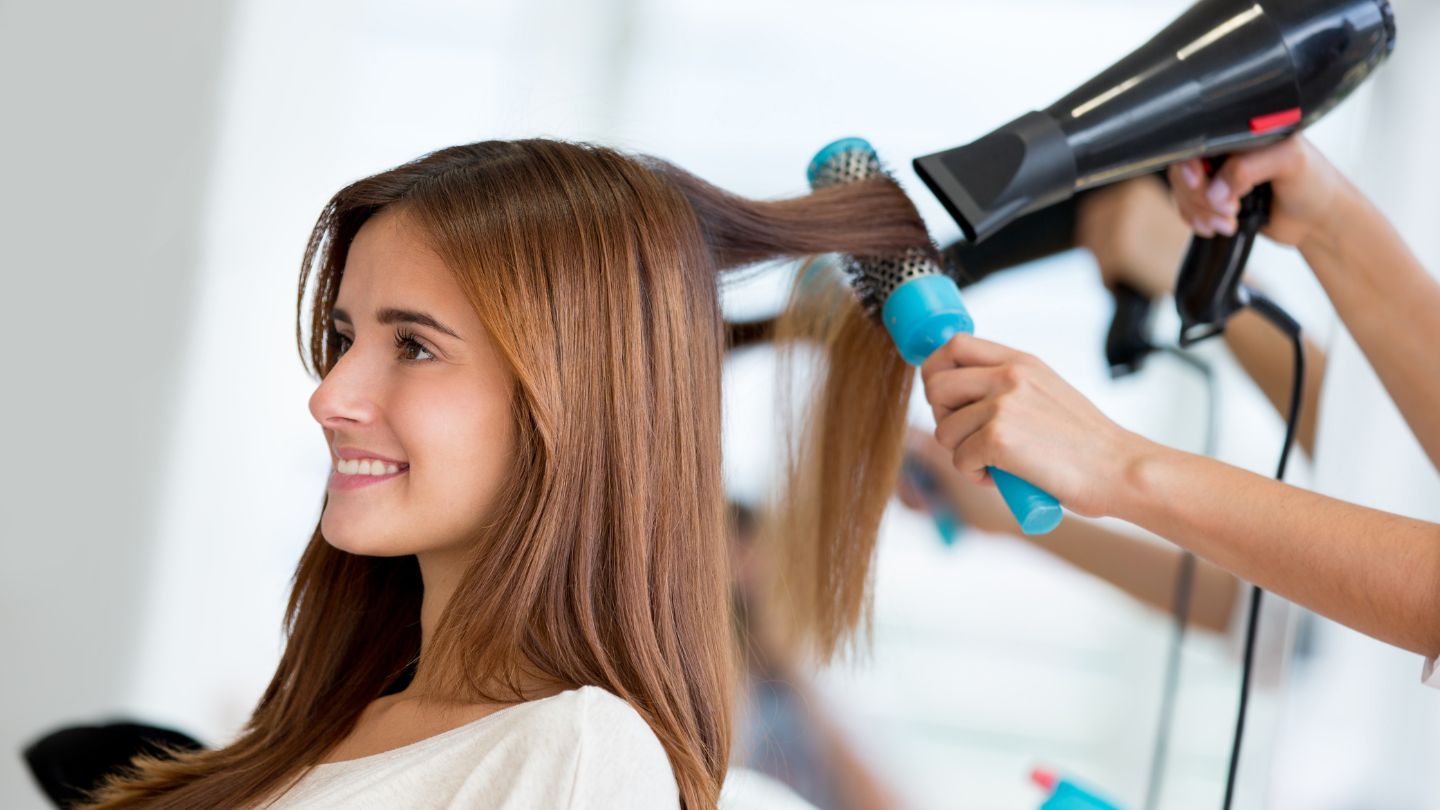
1021	167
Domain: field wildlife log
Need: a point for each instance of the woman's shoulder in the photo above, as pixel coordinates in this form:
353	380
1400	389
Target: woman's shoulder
617	754
583	748
601	708
597	717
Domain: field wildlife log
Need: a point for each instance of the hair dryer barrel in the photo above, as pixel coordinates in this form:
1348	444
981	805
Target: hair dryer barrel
1227	75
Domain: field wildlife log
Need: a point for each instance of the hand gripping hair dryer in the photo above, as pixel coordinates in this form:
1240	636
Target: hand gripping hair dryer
1227	75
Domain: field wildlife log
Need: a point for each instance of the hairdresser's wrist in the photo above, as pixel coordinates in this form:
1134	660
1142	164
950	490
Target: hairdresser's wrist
1340	223
1145	481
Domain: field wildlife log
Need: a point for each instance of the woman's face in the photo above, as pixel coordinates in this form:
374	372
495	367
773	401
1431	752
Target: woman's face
419	395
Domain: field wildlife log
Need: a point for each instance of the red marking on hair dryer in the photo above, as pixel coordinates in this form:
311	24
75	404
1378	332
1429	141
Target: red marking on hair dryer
1262	124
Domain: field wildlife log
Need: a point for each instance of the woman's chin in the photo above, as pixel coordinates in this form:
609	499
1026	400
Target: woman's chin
369	549
370	542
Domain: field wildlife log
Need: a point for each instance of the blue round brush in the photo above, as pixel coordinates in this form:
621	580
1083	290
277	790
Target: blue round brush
921	308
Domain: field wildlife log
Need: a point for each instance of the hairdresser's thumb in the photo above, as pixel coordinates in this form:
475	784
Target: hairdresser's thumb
1243	172
966	350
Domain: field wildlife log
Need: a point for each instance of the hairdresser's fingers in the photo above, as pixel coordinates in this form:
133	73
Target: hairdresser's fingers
1305	187
957	426
1304	183
967	350
1243	172
1190	188
973	457
954	388
1047	433
1187	175
1187	178
981	507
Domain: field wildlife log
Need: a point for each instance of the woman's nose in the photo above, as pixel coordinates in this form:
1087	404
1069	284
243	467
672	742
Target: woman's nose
344	397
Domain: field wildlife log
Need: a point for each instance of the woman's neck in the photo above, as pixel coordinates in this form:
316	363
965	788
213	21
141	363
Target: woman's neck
440	573
436	681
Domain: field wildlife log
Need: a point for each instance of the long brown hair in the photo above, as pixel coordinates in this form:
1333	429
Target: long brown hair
604	562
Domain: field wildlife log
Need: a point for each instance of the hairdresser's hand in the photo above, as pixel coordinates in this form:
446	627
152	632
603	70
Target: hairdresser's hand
995	406
1306	188
976	505
1135	234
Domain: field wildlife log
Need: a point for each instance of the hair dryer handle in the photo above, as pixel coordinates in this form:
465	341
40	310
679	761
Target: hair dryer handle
1208	290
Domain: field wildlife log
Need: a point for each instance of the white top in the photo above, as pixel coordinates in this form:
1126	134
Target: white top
584	748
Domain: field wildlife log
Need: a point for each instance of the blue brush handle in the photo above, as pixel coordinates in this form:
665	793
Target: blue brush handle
921	316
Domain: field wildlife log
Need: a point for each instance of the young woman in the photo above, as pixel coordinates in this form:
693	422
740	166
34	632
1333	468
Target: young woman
517	593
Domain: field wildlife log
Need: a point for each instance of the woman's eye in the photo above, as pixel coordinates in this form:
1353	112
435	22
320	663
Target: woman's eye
409	346
411	349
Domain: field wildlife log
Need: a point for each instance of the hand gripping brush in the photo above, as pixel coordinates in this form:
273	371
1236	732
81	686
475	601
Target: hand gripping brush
921	308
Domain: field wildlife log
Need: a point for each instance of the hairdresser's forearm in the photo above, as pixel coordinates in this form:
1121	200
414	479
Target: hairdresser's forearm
1376	572
1144	569
1390	305
1267	356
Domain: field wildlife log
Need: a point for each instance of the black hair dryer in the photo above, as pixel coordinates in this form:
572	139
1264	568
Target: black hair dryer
1228	75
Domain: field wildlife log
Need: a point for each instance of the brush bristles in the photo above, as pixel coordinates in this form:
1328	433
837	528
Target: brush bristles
874	278
850	166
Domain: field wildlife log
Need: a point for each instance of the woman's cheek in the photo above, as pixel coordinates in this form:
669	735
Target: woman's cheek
461	449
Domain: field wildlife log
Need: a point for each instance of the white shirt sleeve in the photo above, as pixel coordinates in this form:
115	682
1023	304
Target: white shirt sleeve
621	762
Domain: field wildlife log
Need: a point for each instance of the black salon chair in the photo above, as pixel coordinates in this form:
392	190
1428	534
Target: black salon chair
74	760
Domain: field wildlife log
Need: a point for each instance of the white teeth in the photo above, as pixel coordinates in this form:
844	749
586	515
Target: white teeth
350	466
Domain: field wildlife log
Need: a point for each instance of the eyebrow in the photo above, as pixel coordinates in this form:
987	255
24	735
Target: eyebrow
391	315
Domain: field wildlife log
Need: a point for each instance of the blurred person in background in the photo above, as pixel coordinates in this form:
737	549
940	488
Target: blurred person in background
784	728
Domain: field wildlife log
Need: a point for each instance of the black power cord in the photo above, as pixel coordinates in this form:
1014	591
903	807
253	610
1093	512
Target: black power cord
1291	328
1126	351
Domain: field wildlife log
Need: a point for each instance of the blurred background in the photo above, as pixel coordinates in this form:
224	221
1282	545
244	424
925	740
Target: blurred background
165	161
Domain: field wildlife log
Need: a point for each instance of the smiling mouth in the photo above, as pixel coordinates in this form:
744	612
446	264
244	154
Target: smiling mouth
368	466
353	474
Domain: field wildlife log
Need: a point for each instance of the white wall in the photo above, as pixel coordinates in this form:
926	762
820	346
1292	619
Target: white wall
107	137
1362	731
